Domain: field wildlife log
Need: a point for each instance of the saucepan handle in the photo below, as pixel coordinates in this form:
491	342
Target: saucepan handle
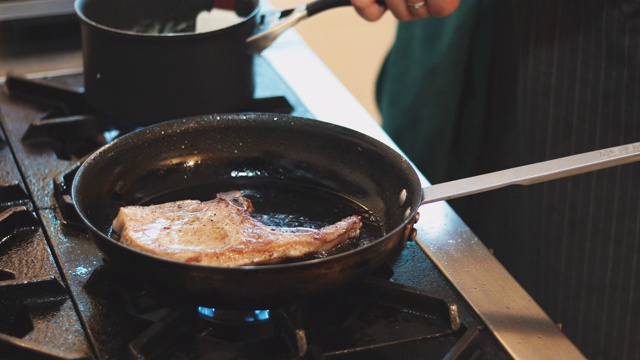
534	173
273	23
317	6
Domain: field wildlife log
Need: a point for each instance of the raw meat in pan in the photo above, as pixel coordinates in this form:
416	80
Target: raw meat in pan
221	232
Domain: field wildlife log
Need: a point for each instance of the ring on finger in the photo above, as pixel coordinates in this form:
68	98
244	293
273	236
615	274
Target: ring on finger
416	5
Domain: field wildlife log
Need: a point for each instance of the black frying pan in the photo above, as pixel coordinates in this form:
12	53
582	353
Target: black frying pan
285	165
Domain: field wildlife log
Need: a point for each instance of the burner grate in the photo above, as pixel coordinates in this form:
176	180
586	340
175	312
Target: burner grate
64	98
35	304
372	316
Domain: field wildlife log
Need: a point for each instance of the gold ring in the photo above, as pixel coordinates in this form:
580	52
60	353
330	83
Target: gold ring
416	5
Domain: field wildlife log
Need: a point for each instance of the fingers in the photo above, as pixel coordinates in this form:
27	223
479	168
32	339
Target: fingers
368	9
405	10
442	8
418	8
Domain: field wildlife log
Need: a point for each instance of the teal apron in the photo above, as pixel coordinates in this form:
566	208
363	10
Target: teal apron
446	62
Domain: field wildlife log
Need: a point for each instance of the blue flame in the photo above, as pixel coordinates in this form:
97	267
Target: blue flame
262	315
258	315
208	312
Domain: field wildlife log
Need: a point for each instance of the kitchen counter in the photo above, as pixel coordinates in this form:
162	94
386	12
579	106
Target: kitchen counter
507	310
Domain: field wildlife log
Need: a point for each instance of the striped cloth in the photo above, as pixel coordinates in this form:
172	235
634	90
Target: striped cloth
565	80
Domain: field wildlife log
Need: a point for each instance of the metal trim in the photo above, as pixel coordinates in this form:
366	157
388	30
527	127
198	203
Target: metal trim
28	9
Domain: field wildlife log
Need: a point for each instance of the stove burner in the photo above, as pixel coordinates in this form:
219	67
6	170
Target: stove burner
372	315
237	326
234	318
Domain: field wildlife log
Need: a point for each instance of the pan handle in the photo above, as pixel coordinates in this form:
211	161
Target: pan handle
272	24
534	173
317	6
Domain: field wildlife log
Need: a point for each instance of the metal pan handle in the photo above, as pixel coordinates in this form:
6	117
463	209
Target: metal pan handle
272	24
317	6
534	173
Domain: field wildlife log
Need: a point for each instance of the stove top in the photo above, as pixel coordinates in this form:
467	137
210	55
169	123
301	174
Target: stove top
60	298
48	265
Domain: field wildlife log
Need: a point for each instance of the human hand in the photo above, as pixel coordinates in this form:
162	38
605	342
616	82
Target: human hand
405	10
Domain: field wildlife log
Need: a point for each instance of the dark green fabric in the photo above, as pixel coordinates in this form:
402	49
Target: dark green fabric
446	61
563	78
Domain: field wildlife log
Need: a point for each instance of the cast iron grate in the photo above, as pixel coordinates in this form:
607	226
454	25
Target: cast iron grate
373	317
25	322
12	193
35	304
70	131
14	221
66	128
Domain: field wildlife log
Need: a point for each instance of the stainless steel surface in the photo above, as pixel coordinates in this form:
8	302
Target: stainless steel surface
30	9
534	173
272	24
513	316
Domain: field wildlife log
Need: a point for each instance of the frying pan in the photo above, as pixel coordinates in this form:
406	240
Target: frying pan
199	156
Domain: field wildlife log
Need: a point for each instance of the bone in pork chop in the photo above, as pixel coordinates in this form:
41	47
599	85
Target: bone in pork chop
221	232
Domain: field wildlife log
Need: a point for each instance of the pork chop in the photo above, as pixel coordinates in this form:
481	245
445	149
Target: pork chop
221	232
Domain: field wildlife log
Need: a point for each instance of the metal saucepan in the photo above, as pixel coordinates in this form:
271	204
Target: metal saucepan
147	61
284	164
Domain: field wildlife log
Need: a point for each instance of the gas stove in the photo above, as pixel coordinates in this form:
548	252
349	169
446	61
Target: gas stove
60	298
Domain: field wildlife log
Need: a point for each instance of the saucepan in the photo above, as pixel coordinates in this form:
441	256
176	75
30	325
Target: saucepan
147	61
286	165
